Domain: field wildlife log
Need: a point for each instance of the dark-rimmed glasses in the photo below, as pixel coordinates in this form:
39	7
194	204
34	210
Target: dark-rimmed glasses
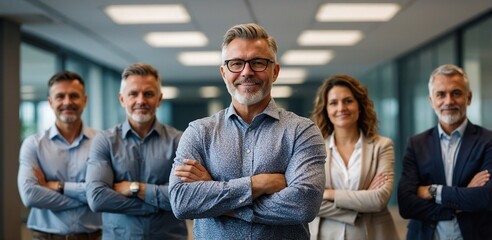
255	64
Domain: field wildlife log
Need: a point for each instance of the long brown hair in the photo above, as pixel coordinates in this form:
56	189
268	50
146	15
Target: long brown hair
367	121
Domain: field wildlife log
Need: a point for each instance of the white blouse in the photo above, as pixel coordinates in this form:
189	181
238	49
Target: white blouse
345	177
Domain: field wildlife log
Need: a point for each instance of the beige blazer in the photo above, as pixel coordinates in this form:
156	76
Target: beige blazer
364	213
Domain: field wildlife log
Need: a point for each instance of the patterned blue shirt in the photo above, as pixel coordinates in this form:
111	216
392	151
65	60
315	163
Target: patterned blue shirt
119	154
276	141
51	211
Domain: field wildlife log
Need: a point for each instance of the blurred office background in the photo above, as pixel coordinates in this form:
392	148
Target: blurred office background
392	54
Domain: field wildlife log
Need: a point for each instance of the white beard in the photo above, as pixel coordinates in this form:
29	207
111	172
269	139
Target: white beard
68	119
140	118
248	99
450	119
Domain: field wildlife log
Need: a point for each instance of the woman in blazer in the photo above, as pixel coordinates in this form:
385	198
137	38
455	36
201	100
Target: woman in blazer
359	165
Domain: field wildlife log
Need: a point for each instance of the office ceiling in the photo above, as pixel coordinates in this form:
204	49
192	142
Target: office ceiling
84	27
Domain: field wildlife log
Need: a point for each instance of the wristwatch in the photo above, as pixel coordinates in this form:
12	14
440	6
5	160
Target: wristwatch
433	190
134	188
60	187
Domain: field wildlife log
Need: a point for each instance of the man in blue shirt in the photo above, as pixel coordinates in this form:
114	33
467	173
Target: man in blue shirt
52	167
253	170
129	165
444	189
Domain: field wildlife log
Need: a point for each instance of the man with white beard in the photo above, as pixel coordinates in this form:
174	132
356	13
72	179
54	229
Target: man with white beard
129	165
52	167
444	189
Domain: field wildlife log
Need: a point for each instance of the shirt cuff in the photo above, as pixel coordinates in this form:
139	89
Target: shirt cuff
438	194
240	192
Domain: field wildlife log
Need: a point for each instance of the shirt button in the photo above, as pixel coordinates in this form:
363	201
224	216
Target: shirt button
242	200
248	151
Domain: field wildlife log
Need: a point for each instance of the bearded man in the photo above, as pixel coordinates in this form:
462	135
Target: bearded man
444	189
129	165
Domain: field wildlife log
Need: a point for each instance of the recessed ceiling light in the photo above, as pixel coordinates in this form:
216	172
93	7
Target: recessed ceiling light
291	76
169	92
212	58
142	14
176	39
281	91
209	92
306	57
329	37
357	12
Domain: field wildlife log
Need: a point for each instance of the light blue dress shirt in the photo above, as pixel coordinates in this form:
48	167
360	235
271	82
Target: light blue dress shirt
119	154
51	211
276	141
450	145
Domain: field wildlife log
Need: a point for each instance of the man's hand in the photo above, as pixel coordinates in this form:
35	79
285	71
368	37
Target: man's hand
267	184
423	192
378	181
123	188
53	185
480	179
40	175
192	171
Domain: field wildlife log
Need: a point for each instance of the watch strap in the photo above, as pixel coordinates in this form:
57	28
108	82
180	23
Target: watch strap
61	187
134	188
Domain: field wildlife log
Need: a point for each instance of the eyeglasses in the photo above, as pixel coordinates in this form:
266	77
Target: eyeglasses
255	64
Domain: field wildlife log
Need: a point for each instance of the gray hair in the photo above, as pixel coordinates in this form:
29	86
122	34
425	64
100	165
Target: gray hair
65	76
448	70
248	31
140	69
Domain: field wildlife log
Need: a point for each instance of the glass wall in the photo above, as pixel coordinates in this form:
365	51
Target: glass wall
39	61
37	66
113	113
477	61
416	113
382	85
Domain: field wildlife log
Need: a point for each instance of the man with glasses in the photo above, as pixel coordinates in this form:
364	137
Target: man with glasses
253	170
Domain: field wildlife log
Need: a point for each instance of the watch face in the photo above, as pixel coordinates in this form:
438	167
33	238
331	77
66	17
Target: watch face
433	190
134	187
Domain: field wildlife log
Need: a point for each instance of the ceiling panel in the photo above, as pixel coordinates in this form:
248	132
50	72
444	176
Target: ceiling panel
84	27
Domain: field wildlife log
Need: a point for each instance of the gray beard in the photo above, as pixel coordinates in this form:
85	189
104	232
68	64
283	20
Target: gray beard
248	99
140	118
68	119
449	119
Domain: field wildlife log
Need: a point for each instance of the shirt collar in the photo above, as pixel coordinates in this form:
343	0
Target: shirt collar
332	140
271	110
55	133
460	130
126	129
358	144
